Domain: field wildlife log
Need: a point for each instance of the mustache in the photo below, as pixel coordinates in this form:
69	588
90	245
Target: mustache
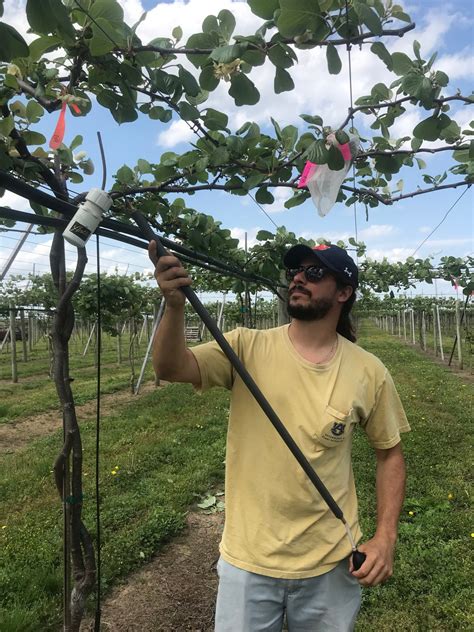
299	288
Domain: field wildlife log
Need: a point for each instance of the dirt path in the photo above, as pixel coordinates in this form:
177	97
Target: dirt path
17	434
176	591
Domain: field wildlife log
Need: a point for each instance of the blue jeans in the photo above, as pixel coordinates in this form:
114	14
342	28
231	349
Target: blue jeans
247	602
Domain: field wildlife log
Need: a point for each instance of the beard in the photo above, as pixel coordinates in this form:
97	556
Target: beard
316	309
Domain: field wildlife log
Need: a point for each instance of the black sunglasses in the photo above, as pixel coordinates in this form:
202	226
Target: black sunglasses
312	273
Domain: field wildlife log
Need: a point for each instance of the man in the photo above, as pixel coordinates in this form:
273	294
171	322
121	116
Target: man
282	550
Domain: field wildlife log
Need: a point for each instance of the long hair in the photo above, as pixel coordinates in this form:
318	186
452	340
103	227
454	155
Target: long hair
345	326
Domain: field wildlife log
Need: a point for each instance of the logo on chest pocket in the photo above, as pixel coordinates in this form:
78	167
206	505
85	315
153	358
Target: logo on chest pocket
338	429
333	433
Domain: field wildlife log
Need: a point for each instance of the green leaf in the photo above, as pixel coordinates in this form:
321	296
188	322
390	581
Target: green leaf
87	166
207	79
402	64
317	152
441	78
421	163
210	24
50	16
201	40
297	199
382	53
333	59
33	138
283	81
427	129
34	111
177	33
109	10
416	49
188	112
144	166
226	54
243	90
341	137
7	124
263	196
264	8
335	158
160	114
226	23
298	16
12	45
76	142
369	18
44	44
264	235
190	84
280	56
387	164
380	91
215	120
471	150
125	175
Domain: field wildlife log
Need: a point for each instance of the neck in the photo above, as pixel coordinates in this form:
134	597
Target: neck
316	341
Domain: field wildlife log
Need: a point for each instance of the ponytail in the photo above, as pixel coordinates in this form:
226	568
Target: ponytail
345	326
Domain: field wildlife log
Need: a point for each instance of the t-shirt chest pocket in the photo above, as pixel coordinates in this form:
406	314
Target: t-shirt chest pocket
336	427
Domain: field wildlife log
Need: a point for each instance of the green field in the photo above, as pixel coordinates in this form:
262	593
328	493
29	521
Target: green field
169	447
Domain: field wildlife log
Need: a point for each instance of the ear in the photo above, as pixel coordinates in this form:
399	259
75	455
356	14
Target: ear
345	293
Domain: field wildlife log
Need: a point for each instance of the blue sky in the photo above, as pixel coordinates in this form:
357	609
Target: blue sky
394	232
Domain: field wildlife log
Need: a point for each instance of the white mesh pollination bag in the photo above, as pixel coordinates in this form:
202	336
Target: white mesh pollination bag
324	183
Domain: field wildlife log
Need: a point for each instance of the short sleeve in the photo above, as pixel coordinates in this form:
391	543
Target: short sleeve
215	367
387	418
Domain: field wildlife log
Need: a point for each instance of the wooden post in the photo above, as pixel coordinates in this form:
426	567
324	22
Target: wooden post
458	336
30	332
23	334
435	342
404	325
438	322
283	317
13	343
423	331
413	338
399	319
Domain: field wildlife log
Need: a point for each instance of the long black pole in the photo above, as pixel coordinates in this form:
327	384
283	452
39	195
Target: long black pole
251	385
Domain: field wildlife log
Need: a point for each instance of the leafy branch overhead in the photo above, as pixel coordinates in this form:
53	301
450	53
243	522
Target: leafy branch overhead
84	51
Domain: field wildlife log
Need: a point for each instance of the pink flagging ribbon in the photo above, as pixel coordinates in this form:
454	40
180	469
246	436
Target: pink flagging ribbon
345	151
58	134
309	169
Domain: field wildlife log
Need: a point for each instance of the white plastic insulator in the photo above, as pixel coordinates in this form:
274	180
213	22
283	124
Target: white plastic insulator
88	216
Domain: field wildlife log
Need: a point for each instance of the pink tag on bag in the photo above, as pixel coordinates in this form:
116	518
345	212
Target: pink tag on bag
345	151
309	169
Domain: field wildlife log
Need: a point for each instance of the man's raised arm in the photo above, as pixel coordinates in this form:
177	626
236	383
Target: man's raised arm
172	360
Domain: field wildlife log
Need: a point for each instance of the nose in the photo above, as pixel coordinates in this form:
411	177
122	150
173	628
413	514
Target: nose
299	277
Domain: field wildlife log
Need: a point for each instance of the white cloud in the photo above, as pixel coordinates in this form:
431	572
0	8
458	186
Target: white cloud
457	65
378	230
280	195
392	254
239	233
178	132
425	229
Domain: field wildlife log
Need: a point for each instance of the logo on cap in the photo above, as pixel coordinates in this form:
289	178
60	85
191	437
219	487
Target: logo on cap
321	247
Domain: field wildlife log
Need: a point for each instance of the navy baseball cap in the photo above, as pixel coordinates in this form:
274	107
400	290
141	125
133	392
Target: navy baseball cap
333	257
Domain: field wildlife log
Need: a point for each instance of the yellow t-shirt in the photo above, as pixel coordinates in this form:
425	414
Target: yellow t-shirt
276	523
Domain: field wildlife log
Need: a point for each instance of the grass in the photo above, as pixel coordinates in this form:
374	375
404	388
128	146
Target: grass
35	391
169	446
164	457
